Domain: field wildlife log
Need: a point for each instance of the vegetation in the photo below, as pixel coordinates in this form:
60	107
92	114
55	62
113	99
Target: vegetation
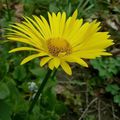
90	94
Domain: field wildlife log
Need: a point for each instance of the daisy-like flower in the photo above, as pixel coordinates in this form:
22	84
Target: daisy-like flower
60	41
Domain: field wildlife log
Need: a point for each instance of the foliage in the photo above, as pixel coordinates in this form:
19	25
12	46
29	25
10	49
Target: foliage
107	67
114	89
18	84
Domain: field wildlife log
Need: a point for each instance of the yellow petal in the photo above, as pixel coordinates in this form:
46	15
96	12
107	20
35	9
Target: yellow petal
42	27
20	39
66	67
22	49
70	24
31	33
33	26
46	26
56	62
71	58
79	36
62	23
51	23
75	14
51	64
27	59
74	30
17	33
91	54
81	62
44	60
106	54
55	23
100	40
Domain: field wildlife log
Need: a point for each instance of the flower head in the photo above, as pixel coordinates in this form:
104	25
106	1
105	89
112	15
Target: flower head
61	40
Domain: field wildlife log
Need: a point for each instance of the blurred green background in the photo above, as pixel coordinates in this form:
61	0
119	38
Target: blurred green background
90	94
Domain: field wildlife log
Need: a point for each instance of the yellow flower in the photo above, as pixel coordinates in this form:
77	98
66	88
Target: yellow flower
60	41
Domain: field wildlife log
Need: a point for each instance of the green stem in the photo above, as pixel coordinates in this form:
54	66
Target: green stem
54	73
69	2
40	90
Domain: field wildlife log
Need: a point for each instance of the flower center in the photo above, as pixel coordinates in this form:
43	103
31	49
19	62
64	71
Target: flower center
57	46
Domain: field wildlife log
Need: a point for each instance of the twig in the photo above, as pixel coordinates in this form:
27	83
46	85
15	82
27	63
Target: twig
113	111
85	111
116	117
99	110
86	94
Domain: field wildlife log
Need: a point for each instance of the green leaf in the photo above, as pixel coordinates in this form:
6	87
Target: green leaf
16	99
113	89
19	73
107	67
21	115
117	99
4	111
4	91
39	72
60	107
49	98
